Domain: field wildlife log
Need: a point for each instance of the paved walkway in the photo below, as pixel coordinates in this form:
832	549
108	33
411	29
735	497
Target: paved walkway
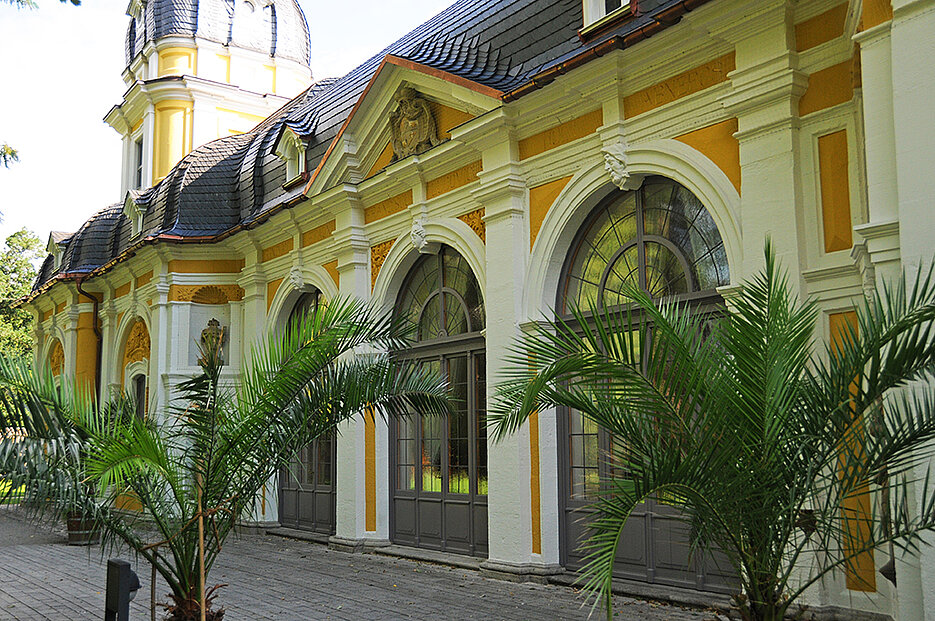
287	580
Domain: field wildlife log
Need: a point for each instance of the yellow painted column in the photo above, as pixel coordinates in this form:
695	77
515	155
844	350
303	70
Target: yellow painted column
86	351
172	135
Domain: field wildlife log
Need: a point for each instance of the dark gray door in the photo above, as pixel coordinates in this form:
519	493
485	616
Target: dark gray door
654	545
440	465
306	489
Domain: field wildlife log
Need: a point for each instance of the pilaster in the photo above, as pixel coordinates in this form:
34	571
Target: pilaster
514	522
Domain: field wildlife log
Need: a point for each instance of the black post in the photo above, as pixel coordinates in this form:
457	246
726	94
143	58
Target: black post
122	585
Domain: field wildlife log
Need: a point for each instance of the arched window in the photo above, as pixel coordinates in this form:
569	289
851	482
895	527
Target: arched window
439	465
659	238
441	297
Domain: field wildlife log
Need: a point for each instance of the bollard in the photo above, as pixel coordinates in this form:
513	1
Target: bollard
122	585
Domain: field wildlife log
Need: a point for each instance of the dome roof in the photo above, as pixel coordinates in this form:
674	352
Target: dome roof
274	27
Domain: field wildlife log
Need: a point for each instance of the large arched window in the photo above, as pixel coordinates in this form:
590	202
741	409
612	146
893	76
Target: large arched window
439	465
659	238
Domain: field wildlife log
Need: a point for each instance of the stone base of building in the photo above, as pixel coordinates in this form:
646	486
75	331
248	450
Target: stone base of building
520	572
363	546
251	527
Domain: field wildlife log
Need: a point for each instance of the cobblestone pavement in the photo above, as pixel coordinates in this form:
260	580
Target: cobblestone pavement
273	578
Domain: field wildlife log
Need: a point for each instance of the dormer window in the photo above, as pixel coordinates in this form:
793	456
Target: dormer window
133	212
291	149
56	247
598	13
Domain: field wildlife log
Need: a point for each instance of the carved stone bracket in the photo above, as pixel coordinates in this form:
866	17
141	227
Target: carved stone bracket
616	165
419	239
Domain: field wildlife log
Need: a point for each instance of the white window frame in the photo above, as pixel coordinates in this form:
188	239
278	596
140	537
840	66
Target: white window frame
291	149
595	14
133	212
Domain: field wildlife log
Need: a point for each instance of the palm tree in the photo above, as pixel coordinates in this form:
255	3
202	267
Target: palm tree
200	469
767	442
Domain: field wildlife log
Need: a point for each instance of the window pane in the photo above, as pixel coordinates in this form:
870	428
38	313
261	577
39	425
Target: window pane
480	433
459	481
325	459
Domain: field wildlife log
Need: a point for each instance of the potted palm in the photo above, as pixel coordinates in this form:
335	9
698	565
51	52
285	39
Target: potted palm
766	441
197	470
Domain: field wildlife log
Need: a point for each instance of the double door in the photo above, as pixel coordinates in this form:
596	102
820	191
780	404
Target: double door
438	465
306	489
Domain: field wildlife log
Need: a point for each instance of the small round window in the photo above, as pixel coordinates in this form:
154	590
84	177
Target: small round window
659	238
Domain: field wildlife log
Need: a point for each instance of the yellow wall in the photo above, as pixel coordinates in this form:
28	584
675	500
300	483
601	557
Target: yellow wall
86	352
232	122
177	61
172	136
835	193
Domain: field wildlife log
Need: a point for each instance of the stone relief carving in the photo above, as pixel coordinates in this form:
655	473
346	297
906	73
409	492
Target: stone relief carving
412	125
137	344
378	254
615	163
213	334
475	220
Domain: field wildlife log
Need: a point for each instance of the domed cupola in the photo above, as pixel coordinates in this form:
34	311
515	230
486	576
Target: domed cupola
274	27
198	70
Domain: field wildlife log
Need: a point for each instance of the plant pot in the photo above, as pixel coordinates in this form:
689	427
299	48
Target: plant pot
81	530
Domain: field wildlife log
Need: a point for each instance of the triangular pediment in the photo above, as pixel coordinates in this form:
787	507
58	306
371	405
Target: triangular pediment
424	104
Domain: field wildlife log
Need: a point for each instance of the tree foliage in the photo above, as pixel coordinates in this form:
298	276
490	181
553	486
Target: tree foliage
17	274
199	468
768	444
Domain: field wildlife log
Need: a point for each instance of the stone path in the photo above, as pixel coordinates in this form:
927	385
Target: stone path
287	580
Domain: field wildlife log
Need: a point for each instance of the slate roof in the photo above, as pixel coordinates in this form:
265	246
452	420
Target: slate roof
282	30
501	44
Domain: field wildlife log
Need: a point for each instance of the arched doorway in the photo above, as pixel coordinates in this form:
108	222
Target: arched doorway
438	466
661	238
307	487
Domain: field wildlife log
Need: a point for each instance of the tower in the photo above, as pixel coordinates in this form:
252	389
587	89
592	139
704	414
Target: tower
197	70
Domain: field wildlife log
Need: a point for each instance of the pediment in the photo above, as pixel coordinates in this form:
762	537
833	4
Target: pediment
423	105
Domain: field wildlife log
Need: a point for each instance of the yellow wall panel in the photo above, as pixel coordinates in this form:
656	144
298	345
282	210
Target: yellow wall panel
317	234
332	268
541	198
875	12
835	191
206	266
177	61
561	134
387	207
271	288
718	144
828	87
821	28
454	179
277	250
674	88
172	136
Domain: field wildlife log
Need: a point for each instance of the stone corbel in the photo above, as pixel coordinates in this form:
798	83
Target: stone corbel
419	238
616	163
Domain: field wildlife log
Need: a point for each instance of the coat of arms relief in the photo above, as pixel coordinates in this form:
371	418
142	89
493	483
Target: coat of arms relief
412	124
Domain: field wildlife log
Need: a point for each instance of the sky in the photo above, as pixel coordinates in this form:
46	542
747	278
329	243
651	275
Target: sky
60	69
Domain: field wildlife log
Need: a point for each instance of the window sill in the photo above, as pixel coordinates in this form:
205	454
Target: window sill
605	23
296	181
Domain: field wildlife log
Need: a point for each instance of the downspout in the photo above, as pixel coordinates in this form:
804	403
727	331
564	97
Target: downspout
97	334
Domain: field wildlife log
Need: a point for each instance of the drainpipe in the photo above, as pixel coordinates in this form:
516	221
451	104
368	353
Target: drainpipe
97	334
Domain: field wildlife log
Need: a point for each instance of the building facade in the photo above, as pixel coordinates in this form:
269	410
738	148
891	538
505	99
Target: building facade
499	162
